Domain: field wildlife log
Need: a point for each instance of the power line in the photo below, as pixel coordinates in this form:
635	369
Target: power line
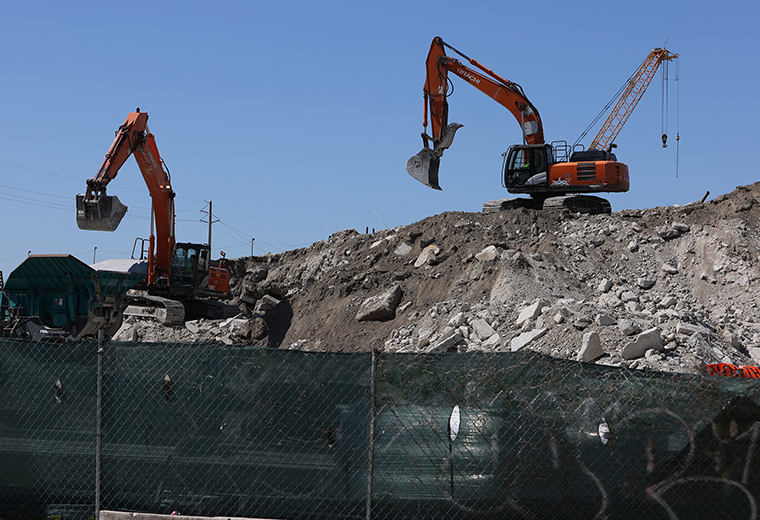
242	235
257	229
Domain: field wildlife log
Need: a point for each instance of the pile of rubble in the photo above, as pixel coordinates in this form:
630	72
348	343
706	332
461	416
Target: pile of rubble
669	288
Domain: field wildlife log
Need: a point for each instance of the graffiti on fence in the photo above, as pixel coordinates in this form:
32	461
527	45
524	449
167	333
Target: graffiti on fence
653	459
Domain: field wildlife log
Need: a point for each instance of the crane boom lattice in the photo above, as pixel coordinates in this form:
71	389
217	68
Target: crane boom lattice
628	100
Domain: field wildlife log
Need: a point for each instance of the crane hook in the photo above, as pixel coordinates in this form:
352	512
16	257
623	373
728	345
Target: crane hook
664	140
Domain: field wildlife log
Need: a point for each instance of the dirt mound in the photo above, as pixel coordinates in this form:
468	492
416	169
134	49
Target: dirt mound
669	288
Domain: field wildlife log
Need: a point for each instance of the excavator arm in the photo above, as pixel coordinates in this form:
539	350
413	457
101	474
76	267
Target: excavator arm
100	212
424	166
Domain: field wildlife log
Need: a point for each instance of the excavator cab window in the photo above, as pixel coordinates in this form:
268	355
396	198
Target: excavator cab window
190	265
184	263
526	165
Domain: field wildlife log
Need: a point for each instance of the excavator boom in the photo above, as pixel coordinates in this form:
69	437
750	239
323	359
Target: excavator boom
100	212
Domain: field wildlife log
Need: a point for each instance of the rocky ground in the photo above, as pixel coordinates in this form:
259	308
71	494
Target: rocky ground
669	288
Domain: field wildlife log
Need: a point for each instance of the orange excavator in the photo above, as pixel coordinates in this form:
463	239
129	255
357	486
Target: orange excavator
176	272
553	174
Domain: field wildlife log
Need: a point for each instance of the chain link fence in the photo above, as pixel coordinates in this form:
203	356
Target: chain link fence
234	431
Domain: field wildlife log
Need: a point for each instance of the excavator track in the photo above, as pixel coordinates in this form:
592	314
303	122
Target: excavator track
588	204
144	305
494	206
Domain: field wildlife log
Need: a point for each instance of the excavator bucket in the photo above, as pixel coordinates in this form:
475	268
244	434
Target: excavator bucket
102	214
424	167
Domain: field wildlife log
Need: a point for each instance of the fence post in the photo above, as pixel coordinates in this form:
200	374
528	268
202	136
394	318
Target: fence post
371	454
98	424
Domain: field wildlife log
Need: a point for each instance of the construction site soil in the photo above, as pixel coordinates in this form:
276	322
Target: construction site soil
669	288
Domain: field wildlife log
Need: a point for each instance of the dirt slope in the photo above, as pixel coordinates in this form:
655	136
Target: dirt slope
669	288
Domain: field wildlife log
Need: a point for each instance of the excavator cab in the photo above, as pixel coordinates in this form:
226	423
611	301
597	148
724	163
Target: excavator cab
527	165
190	263
192	271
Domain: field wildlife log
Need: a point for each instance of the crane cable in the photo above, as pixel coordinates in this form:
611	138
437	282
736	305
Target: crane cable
665	104
678	113
665	109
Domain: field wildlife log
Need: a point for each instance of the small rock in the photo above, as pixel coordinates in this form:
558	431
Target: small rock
687	329
193	326
582	322
482	328
530	313
604	286
605	320
446	343
629	296
648	339
380	307
652	354
646	283
255	329
492	341
404	307
628	327
402	249
668	232
488	254
427	255
591	348
669	269
457	320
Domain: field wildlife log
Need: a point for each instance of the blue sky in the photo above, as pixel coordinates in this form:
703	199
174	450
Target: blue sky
296	119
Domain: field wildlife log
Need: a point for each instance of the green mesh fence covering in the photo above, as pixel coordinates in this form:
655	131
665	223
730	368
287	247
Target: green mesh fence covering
234	431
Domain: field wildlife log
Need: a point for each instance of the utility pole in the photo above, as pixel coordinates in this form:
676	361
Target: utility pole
210	221
94	252
252	246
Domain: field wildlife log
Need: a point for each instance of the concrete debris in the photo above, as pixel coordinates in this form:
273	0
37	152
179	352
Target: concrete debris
529	313
649	339
427	256
488	254
380	307
552	282
526	338
591	348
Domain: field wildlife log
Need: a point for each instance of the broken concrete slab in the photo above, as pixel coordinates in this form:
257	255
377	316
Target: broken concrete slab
650	338
380	307
591	348
482	328
427	256
525	338
530	313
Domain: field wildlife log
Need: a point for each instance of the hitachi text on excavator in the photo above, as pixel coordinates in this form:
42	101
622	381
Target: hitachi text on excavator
176	273
552	174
